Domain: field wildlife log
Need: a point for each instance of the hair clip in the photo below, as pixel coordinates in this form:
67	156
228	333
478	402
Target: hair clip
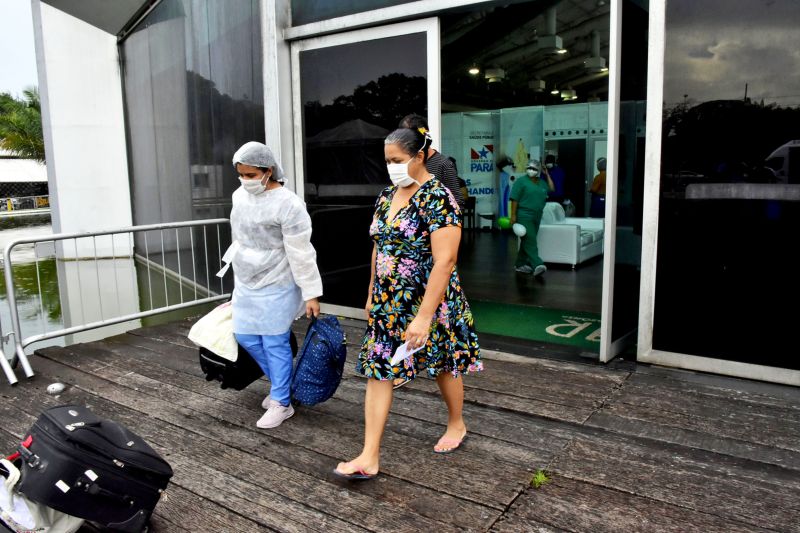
422	131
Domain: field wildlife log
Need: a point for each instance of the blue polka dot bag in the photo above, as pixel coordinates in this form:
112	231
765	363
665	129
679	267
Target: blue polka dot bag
320	362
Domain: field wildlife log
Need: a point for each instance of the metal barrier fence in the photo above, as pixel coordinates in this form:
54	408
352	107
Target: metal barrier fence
201	246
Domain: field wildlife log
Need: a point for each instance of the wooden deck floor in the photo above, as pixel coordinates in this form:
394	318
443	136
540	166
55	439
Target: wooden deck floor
629	448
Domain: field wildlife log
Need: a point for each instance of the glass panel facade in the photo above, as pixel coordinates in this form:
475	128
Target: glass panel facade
353	95
193	94
521	81
729	209
306	11
630	175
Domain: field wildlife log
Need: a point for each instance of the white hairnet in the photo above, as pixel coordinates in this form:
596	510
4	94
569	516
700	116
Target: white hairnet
256	154
534	164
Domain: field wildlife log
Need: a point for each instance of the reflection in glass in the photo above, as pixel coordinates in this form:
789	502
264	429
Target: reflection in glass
353	95
630	170
729	201
193	95
523	81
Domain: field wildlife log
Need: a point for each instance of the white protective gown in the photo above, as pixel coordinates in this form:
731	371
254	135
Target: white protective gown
274	264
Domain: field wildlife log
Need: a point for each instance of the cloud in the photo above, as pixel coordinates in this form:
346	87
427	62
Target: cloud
702	52
716	64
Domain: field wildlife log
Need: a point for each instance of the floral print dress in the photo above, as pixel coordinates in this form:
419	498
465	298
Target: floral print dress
403	264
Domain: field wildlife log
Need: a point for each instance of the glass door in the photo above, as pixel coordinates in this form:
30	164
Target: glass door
622	193
349	91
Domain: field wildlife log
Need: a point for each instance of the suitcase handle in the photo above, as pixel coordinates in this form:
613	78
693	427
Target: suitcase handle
24	444
93	488
30	458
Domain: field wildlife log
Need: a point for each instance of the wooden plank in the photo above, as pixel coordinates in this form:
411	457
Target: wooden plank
505	436
183	511
579	377
544	397
566	504
208	484
539	383
316	431
497	399
185	360
711	401
520	432
353	388
274	448
539	435
683	477
207	467
177	505
755	391
625	420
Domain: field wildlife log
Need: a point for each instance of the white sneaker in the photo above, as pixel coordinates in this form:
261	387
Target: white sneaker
539	270
265	403
275	415
524	269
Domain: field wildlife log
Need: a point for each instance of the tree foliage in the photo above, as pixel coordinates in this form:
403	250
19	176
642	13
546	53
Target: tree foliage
21	125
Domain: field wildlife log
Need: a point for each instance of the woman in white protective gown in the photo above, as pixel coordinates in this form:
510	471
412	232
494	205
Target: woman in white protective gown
276	277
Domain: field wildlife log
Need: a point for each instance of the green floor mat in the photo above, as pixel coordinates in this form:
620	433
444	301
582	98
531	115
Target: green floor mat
574	328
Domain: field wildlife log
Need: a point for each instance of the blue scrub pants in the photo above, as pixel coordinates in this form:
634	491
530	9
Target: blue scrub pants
273	353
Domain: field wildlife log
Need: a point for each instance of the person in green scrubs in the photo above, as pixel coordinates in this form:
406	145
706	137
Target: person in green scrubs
528	196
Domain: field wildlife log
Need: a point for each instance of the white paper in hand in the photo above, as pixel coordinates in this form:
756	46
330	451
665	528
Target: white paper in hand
404	352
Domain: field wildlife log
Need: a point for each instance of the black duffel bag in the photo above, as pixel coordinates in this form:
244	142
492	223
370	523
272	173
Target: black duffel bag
92	468
236	375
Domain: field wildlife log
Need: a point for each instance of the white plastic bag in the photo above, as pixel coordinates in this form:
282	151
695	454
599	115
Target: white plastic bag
20	514
214	332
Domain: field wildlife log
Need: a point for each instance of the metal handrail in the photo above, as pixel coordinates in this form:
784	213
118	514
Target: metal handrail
20	343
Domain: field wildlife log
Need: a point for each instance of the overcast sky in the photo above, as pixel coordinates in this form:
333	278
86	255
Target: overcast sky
715	47
18	59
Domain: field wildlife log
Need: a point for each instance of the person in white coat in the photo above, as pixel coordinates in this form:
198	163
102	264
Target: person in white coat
276	277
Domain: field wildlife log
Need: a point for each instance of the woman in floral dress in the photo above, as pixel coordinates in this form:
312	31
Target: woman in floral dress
415	297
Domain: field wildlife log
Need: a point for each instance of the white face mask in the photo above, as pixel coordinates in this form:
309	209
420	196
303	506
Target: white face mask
532	173
253	186
549	165
398	173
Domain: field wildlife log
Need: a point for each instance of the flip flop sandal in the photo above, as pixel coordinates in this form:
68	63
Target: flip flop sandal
359	475
451	444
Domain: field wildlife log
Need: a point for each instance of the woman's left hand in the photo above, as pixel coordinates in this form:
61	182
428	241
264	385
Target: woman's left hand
312	308
417	332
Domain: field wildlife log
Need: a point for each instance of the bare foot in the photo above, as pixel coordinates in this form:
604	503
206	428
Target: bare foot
360	463
451	439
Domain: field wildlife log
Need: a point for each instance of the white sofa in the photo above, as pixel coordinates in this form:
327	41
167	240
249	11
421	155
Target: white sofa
569	240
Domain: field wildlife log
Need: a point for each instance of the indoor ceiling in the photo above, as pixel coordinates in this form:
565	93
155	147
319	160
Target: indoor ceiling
510	41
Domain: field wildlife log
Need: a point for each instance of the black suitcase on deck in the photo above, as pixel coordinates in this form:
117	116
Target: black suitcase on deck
237	374
92	468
